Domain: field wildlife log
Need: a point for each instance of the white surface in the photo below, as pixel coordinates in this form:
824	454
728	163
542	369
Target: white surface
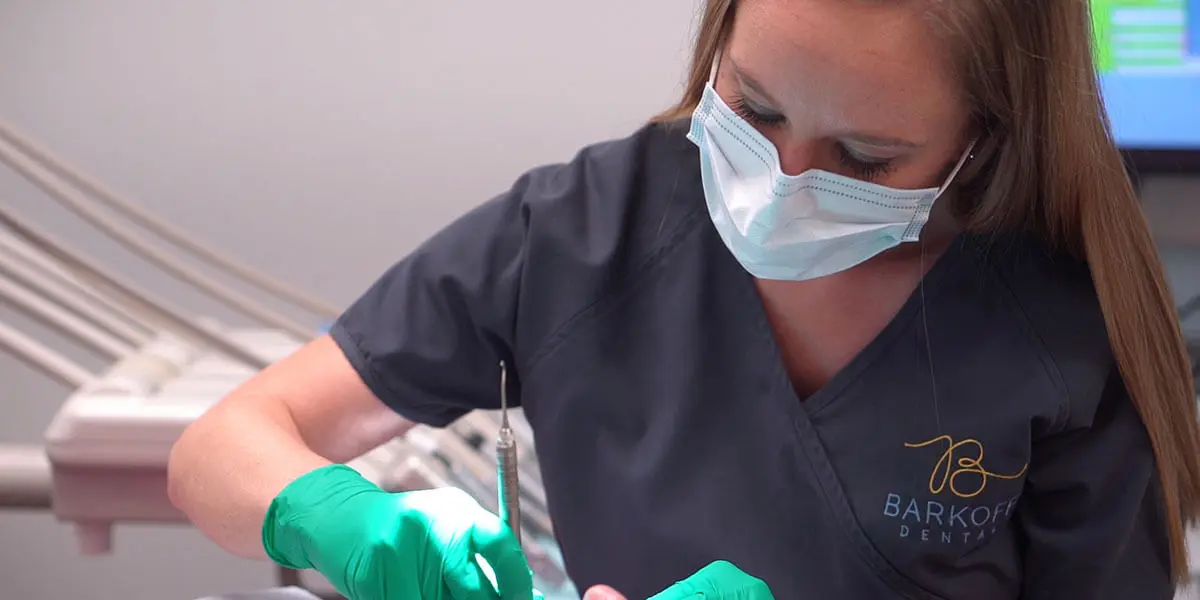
129	421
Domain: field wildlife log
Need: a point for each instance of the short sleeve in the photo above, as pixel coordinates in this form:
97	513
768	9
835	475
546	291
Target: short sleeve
511	278
1091	518
427	337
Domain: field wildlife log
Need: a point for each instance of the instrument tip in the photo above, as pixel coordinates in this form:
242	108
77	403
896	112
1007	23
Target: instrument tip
504	391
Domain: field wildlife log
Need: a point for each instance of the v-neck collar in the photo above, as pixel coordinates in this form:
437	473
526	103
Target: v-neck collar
833	388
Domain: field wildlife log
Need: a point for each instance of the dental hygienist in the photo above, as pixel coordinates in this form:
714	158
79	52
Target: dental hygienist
871	314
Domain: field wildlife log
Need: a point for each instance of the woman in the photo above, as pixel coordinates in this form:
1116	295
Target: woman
882	321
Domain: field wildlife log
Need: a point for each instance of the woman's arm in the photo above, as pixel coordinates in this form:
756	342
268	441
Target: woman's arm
1091	516
425	341
301	413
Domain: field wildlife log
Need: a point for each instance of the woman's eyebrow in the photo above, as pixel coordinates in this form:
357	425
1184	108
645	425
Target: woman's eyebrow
748	81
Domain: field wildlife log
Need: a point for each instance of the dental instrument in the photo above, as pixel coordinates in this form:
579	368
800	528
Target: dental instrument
507	483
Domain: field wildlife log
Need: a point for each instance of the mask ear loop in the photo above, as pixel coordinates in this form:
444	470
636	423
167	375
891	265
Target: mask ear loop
937	411
716	64
967	154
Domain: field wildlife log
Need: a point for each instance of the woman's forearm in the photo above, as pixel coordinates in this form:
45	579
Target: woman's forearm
299	414
226	468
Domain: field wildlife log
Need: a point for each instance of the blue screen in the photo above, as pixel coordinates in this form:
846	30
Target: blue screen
1149	60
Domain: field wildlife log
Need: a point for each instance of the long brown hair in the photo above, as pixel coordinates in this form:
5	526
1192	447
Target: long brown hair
1047	164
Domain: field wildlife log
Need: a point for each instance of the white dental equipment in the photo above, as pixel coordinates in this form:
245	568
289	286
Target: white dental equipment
105	454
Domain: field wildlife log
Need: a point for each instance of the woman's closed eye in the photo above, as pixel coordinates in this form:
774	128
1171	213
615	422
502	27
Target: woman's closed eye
862	166
754	114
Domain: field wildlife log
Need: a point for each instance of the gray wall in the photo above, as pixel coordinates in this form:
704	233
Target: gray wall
320	141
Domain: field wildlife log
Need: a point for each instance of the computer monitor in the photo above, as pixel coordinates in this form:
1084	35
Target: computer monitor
1148	54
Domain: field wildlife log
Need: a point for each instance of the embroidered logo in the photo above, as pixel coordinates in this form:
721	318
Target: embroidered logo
953	512
949	468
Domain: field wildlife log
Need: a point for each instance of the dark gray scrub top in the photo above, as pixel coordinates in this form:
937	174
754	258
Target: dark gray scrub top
669	434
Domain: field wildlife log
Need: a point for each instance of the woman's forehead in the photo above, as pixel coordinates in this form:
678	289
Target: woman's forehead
872	64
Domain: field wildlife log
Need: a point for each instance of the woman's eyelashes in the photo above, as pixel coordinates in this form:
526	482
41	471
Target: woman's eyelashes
863	167
755	114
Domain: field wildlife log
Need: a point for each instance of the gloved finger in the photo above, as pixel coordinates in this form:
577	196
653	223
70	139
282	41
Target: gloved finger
464	579
719	580
495	542
681	590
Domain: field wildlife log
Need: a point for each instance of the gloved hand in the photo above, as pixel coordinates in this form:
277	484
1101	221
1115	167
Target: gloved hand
377	545
720	580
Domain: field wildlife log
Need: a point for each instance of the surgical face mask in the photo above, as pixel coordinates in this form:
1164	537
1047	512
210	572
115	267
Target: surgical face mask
795	227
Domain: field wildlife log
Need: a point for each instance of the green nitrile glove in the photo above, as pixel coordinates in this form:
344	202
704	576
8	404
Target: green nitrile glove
377	545
720	580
